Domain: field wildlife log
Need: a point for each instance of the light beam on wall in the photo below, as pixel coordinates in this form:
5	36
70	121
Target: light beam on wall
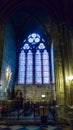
52	63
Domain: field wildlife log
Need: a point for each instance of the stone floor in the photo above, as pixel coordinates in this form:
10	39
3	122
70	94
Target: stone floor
12	122
32	127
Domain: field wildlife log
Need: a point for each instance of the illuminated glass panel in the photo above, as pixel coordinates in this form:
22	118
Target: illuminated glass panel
38	62
30	40
34	67
52	64
41	46
26	46
34	38
33	35
21	73
38	73
29	69
46	80
46	74
37	39
45	55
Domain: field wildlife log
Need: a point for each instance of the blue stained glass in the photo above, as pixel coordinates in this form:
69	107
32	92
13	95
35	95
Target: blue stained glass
29	80
40	62
24	40
21	62
46	76
33	35
22	52
22	67
29	73
45	62
41	46
38	80
37	55
22	57
38	68
21	81
21	72
46	80
37	39
38	35
29	56
29	70
45	68
43	40
52	64
45	55
29	62
30	40
21	77
29	59
38	75
46	73
26	46
34	38
29	67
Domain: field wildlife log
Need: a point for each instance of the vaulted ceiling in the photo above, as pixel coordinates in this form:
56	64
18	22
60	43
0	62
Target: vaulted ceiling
60	9
23	12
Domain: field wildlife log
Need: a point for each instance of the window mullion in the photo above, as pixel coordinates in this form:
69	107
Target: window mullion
42	66
34	68
25	67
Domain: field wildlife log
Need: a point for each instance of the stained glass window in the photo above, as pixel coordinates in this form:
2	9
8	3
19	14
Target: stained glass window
29	68
38	68
34	61
21	67
46	71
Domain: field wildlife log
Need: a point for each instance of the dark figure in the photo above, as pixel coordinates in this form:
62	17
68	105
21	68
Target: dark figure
19	98
44	115
19	101
53	108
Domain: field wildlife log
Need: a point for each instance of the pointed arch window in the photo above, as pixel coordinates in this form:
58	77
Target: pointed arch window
29	68
34	61
38	67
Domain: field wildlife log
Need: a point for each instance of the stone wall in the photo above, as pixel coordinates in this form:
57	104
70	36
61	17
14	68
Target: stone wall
8	58
1	44
62	36
34	93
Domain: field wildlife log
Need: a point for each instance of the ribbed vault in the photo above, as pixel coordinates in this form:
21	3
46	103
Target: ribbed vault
57	8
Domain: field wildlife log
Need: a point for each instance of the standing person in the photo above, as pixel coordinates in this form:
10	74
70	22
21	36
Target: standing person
44	114
54	109
19	101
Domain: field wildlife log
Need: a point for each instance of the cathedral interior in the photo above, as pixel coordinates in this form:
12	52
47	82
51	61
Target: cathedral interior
36	51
